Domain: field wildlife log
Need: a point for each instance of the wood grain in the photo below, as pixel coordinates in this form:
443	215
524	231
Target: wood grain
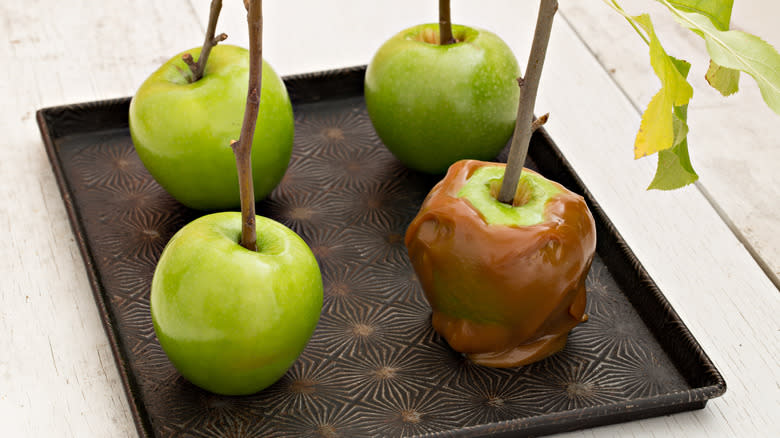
57	375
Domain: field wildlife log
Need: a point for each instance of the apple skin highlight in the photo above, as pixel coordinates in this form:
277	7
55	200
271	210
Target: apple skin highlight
505	295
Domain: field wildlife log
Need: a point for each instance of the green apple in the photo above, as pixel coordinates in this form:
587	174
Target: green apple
433	104
231	320
506	282
182	130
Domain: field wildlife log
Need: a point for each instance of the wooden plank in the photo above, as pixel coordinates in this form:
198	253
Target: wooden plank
57	373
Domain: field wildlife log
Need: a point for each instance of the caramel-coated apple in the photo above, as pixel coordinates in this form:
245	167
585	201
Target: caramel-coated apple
506	282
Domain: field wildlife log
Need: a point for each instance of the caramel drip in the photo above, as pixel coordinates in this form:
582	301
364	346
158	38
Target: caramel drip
504	295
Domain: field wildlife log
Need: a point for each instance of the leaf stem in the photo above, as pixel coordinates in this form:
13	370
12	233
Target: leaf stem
528	88
208	43
242	148
614	5
445	23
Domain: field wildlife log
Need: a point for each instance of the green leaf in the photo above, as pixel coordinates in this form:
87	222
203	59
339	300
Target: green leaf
682	66
674	169
718	11
680	124
656	130
725	80
674	164
738	51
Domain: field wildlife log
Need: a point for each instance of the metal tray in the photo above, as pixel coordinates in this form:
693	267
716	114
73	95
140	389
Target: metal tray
374	366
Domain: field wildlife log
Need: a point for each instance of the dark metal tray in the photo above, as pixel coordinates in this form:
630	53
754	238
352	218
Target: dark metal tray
374	366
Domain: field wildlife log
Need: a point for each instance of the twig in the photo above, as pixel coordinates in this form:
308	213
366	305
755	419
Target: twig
242	148
208	43
528	88
538	123
187	57
445	23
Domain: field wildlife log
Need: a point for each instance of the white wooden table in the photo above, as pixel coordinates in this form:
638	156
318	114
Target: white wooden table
713	248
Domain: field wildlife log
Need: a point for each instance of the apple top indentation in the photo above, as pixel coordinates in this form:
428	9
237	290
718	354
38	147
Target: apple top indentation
429	33
479	192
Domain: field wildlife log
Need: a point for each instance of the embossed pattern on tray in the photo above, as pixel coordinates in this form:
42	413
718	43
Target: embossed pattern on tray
374	366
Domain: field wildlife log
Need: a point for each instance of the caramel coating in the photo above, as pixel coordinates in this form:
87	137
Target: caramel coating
504	295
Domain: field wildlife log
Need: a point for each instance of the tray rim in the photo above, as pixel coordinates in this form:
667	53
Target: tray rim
694	398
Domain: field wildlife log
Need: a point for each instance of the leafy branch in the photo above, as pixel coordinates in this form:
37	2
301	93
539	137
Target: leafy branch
663	128
738	51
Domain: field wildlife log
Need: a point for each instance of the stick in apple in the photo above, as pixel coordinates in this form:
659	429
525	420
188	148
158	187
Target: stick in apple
242	148
525	126
445	23
209	42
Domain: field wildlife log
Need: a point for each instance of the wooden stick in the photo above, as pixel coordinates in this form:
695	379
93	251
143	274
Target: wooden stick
525	112
242	148
445	23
